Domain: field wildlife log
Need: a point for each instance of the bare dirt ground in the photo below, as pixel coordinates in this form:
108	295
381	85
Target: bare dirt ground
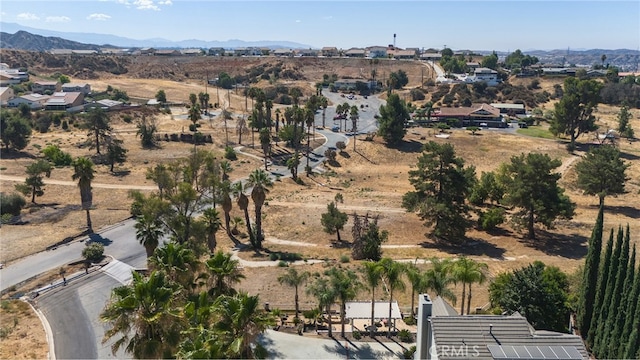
22	335
371	179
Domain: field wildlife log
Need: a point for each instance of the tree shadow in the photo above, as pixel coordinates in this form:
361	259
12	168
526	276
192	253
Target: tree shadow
364	157
628	156
121	173
344	154
411	146
570	246
97	238
270	346
16	154
365	351
472	246
628	211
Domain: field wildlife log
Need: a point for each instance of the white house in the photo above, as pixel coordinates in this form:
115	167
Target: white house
35	101
487	75
6	94
77	87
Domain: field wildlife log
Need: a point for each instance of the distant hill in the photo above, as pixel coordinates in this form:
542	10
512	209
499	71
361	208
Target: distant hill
23	40
118	41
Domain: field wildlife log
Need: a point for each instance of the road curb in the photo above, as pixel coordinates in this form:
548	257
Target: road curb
47	329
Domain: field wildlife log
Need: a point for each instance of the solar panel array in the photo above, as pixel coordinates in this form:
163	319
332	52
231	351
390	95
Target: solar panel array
532	352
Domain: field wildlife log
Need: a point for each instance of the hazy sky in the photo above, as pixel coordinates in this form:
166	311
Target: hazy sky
478	25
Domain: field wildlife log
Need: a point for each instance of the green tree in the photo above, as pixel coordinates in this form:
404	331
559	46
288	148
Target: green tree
333	220
625	309
372	273
322	290
602	172
573	114
416	279
224	272
260	182
243	203
294	279
392	274
442	185
589	285
149	232
532	187
345	285
144	315
116	153
34	183
99	127
439	277
161	96
538	292
211	218
354	116
601	290
14	131
367	238
487	188
265	144
624	127
467	272
178	262
490	61
147	133
83	172
392	119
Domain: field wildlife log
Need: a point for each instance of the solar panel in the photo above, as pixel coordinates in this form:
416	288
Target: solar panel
547	352
508	352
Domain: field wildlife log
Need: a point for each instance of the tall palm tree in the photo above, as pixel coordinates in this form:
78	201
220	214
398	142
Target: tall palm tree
261	183
354	116
309	119
372	275
265	144
149	232
178	262
225	201
240	320
468	271
294	279
324	292
324	103
416	279
438	278
392	274
224	273
211	218
345	284
83	171
243	203
144	315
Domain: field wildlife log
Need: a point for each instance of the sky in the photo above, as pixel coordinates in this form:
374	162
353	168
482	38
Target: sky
474	25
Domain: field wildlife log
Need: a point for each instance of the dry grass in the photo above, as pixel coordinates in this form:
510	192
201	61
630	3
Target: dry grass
22	335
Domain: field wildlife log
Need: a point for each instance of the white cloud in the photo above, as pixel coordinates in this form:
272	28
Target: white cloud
165	2
57	19
328	17
145	5
99	17
28	16
298	21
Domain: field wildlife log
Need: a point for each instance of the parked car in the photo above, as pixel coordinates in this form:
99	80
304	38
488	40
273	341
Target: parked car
335	129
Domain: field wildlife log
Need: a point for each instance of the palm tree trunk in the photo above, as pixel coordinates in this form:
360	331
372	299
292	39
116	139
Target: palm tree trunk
413	303
227	221
259	225
531	231
89	225
297	308
211	242
343	307
389	320
330	322
372	327
469	300
464	287
248	221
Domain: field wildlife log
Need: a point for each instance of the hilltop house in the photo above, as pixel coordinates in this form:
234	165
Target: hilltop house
475	115
329	51
6	94
215	51
375	52
487	75
65	101
77	87
35	101
355	53
41	87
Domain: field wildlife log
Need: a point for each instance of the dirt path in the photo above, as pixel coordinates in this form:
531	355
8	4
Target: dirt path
308	205
71	183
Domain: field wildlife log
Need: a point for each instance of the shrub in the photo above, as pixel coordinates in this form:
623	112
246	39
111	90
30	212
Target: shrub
491	218
127	119
11	203
193	127
65	125
405	336
230	154
341	145
344	259
408	354
93	252
417	94
356	334
409	320
57	156
282	263
330	154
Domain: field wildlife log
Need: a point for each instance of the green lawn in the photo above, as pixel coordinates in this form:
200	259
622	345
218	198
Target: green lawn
536	131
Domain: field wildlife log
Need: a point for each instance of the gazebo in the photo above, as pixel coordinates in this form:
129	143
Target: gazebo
361	310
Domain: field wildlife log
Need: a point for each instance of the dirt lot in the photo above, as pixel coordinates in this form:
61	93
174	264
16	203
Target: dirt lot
372	179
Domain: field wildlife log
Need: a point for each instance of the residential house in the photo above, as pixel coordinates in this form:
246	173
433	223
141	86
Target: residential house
191	52
473	65
329	51
216	51
60	51
431	56
84	52
77	87
351	84
147	51
167	52
241	51
487	75
558	72
15	73
444	335
474	115
67	101
8	79
375	52
105	105
6	94
283	52
35	101
403	54
41	87
355	53
307	53
510	109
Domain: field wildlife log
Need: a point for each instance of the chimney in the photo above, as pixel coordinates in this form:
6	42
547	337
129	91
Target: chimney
423	341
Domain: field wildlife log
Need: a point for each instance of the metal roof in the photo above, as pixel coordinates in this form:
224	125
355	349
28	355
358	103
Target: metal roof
442	308
362	310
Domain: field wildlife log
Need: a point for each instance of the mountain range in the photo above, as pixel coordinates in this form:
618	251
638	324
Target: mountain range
103	40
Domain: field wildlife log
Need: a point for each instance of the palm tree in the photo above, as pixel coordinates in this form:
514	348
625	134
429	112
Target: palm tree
149	232
468	271
224	272
261	183
211	218
294	279
438	278
372	275
354	116
278	113
83	172
225	191
324	102
392	274
236	221
324	292
345	285
178	262
416	279
243	204
240	321
144	315
265	144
